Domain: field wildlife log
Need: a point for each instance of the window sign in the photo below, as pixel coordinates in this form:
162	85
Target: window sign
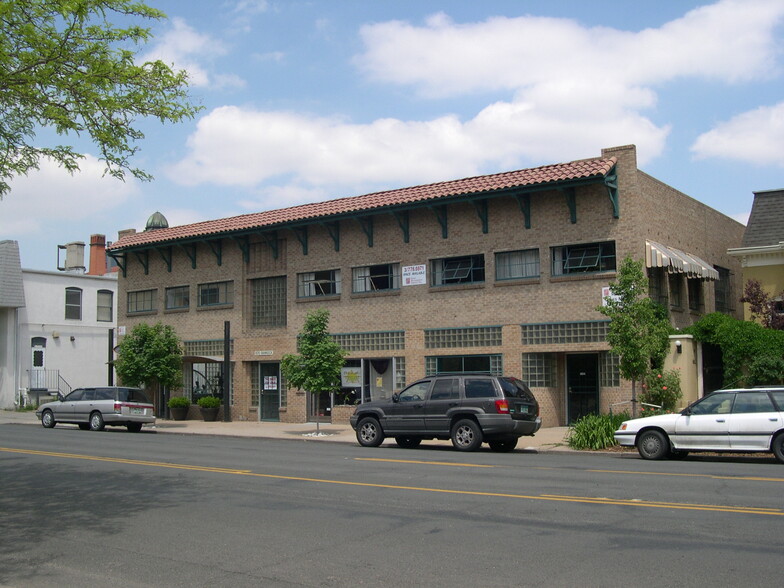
351	377
270	382
414	275
607	293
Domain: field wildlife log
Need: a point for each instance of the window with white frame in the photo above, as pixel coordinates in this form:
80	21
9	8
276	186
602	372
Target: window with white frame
216	294
104	311
584	258
468	269
321	283
73	303
374	278
510	265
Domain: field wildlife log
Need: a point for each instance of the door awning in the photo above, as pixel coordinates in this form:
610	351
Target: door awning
676	261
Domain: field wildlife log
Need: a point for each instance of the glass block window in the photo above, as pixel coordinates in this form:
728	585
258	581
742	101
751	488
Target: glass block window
539	369
585	258
469	269
551	333
378	341
73	303
216	294
207	347
268	302
455	364
373	278
511	265
400	373
178	297
463	337
142	301
609	370
323	283
105	307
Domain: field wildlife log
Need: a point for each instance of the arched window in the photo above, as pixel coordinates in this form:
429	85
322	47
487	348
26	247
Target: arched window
73	303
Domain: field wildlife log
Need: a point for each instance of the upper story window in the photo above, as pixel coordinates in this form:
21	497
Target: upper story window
216	294
323	283
105	310
268	302
510	265
142	301
178	297
584	258
372	278
722	291
695	294
73	303
468	269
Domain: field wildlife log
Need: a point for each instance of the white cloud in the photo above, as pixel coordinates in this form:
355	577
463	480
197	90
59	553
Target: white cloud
52	195
756	137
182	47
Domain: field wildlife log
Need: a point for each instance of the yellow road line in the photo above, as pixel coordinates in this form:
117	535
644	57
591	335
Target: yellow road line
546	497
711	476
442	463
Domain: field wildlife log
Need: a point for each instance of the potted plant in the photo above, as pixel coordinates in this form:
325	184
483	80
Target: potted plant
209	405
178	407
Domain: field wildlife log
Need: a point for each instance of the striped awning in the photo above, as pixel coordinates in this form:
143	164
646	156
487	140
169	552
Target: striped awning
676	261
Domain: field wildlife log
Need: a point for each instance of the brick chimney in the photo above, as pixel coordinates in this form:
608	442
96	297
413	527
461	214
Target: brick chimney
97	255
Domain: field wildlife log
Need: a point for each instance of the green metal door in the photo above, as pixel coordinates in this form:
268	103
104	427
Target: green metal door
269	394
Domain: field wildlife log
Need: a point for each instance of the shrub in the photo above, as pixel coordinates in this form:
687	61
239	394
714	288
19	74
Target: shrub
662	388
595	431
209	402
179	402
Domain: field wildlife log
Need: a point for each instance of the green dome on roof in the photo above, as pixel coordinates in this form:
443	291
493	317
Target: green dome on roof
156	221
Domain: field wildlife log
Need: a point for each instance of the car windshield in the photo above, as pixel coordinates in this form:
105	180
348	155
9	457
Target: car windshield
514	388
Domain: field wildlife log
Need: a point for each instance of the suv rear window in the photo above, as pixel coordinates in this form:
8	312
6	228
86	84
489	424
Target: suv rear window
514	388
131	395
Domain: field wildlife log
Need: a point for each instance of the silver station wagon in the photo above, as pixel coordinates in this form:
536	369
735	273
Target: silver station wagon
95	408
741	420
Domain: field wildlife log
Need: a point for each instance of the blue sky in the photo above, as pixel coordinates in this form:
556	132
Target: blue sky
312	100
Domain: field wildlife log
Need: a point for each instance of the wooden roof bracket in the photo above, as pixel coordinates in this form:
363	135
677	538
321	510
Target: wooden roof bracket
190	251
403	222
216	246
333	228
121	260
441	215
611	181
166	255
366	223
481	209
571	202
271	239
144	259
524	200
302	237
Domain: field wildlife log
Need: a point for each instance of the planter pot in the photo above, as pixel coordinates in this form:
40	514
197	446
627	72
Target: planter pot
179	413
209	414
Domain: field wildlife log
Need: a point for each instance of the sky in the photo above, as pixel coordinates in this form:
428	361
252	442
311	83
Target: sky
304	101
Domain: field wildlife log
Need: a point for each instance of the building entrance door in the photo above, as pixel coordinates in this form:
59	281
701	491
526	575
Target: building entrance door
582	385
269	393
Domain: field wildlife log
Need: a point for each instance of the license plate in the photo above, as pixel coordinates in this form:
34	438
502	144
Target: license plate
522	408
137	410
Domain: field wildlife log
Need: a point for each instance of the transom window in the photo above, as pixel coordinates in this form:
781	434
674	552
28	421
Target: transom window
585	258
178	297
104	311
142	301
372	278
73	303
511	265
321	283
468	269
216	294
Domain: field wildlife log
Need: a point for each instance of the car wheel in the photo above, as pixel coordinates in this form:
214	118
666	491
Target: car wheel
466	435
84	426
47	419
369	432
134	427
408	442
503	445
96	422
653	445
778	447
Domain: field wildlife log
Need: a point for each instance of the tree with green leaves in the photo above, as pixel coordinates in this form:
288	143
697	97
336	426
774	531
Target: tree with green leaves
316	368
150	356
639	329
65	65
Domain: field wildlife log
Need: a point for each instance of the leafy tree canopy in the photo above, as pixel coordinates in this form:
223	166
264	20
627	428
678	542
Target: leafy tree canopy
150	354
64	65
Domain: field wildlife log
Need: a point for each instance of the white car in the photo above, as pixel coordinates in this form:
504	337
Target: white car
744	420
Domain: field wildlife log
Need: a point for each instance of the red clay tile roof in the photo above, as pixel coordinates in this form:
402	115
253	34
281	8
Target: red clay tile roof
549	174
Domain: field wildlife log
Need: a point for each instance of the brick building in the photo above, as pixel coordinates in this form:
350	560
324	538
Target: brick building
500	273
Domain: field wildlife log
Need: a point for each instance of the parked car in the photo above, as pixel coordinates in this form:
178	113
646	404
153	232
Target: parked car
743	420
469	409
94	408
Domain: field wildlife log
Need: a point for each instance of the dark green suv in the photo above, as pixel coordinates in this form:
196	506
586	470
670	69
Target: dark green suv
469	409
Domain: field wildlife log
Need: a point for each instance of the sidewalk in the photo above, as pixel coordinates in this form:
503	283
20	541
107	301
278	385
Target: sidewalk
549	439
